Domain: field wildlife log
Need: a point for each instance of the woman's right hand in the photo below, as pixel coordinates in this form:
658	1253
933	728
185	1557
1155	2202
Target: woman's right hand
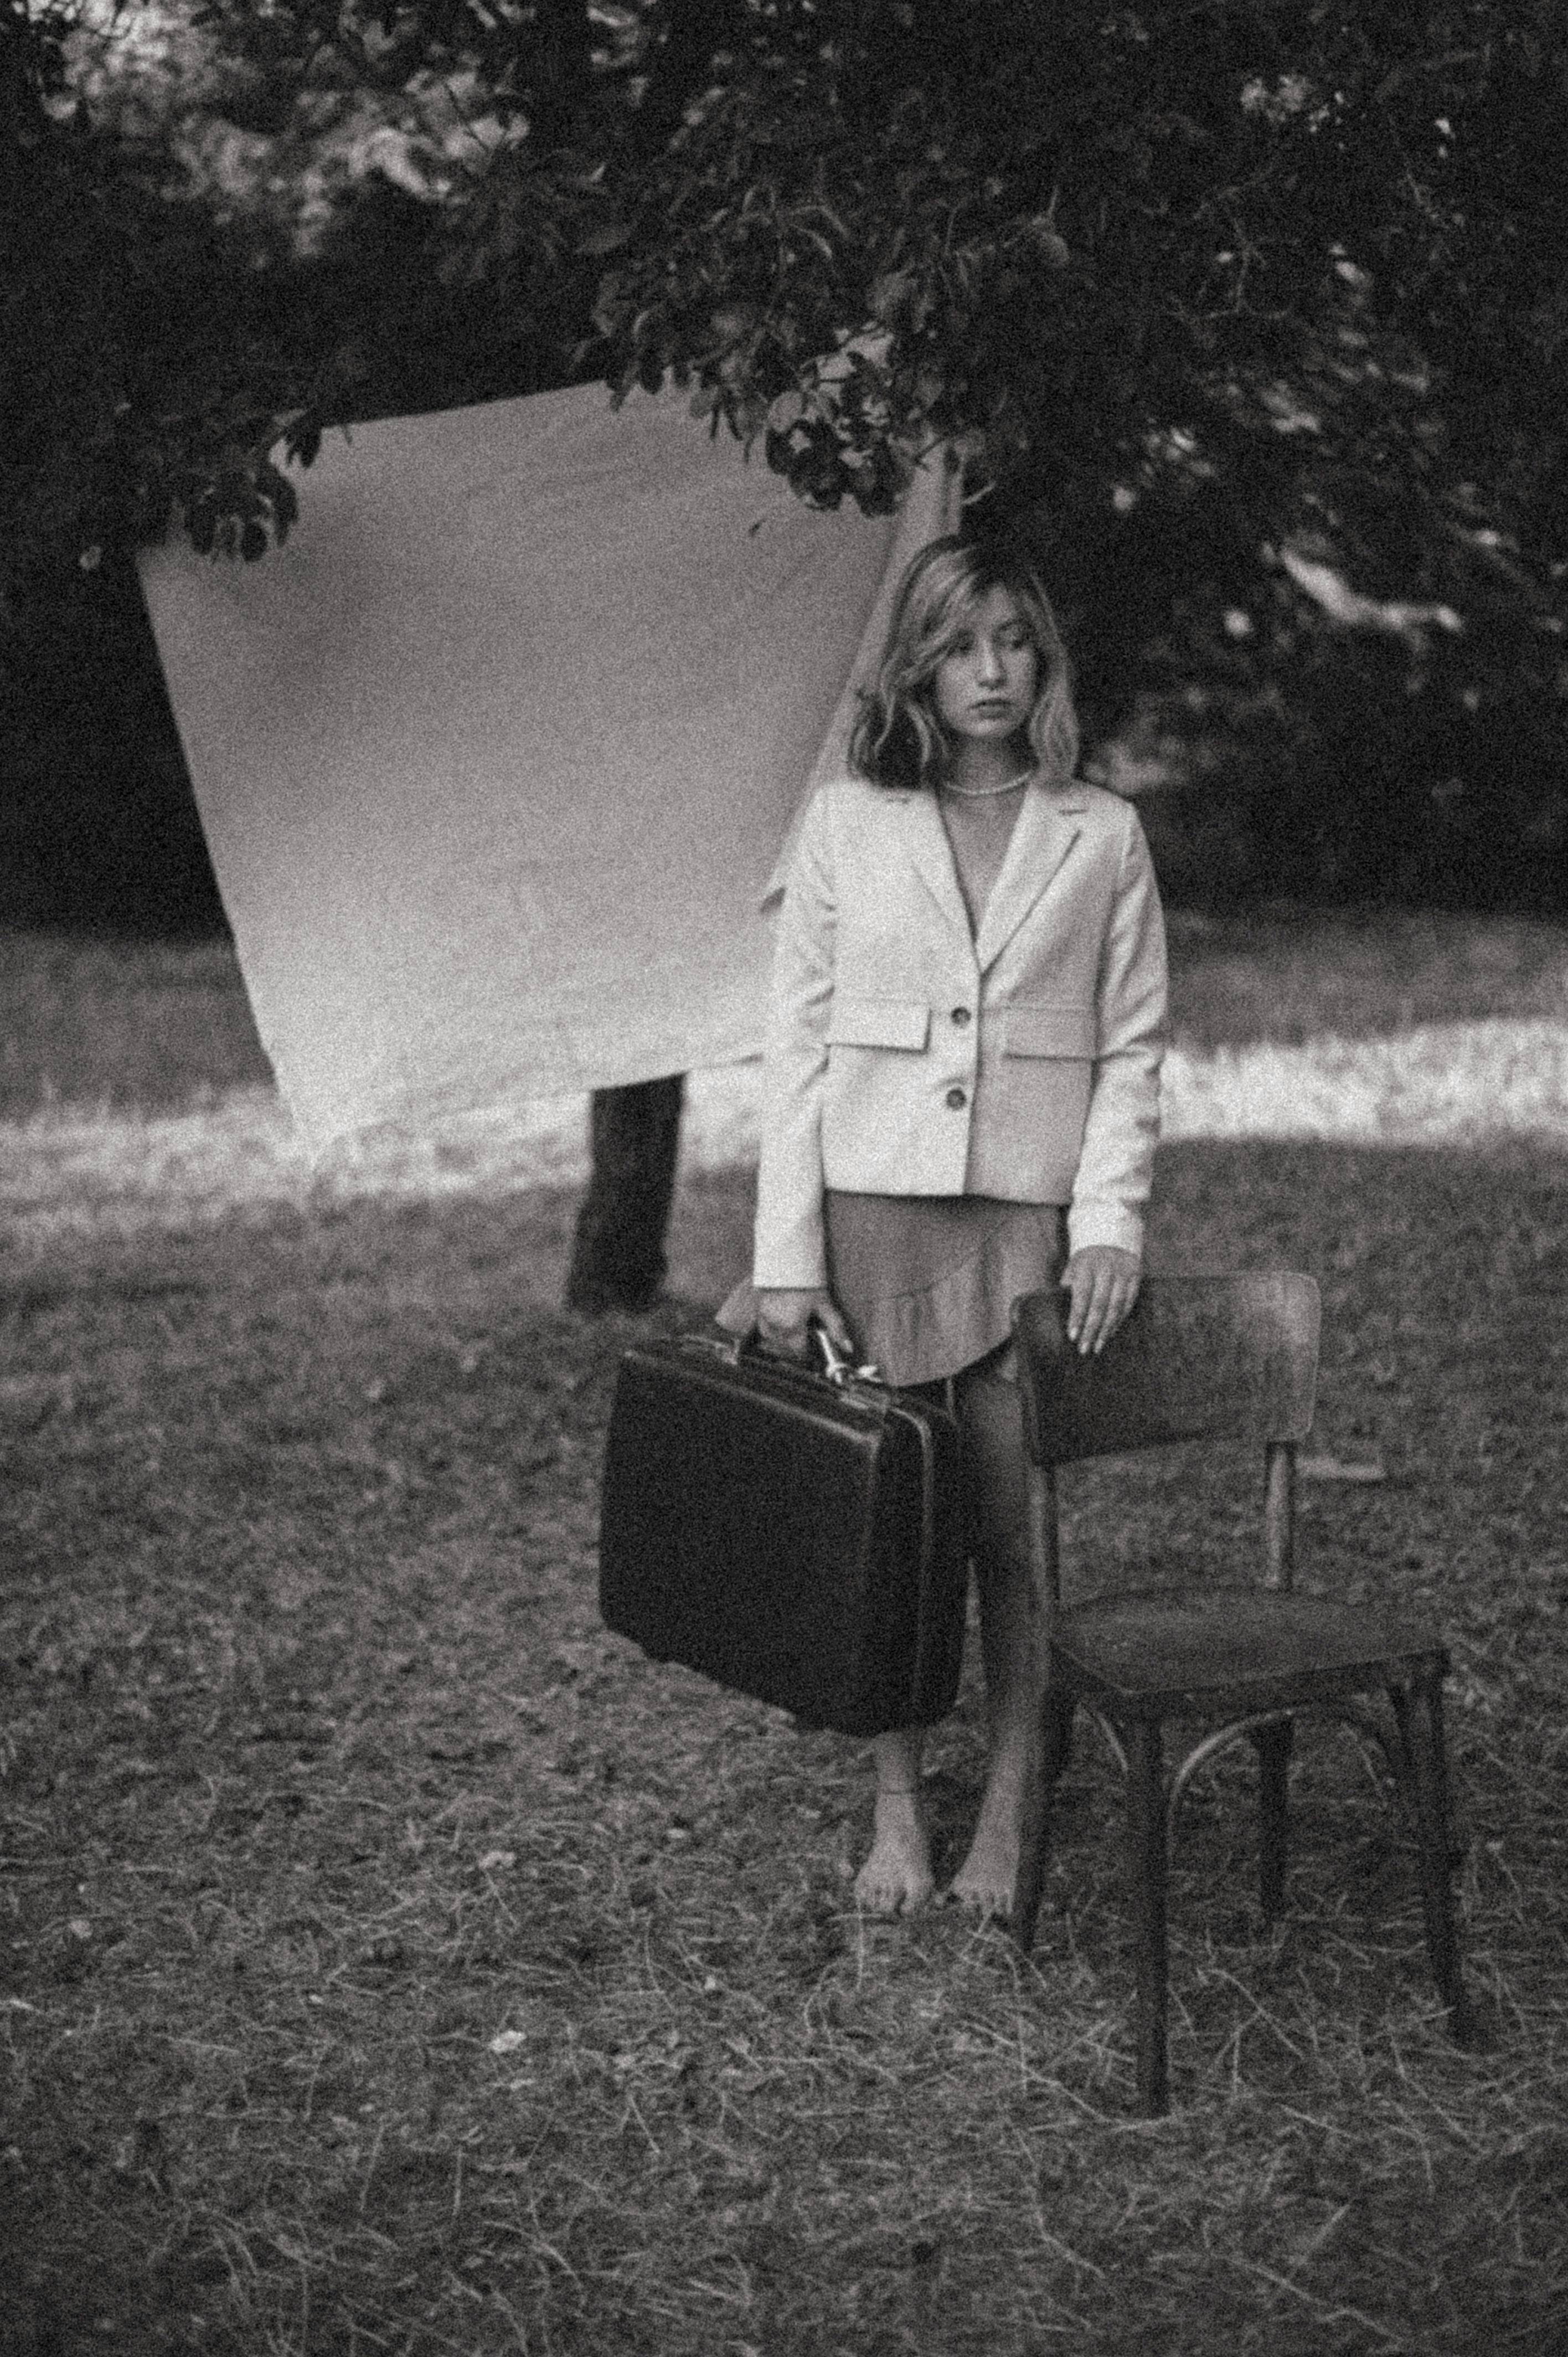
784	1315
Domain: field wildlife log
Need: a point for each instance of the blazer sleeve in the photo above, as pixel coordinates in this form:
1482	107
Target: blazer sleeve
1116	1166
789	1248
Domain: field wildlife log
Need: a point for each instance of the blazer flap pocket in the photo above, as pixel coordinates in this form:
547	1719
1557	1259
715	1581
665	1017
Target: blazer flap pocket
1040	1030
878	1023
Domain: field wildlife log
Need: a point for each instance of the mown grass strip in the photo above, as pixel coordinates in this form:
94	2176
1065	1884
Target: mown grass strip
160	1027
80	1171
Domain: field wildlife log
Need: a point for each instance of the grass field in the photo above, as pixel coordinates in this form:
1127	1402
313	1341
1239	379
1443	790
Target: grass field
392	1960
134	1092
156	1025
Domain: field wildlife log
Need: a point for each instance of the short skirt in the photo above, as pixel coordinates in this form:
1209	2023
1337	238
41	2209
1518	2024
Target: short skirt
928	1281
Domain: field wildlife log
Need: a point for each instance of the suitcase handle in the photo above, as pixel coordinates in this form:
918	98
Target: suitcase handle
838	1367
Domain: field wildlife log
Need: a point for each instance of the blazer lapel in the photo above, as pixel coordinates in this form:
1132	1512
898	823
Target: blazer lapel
1049	826
925	841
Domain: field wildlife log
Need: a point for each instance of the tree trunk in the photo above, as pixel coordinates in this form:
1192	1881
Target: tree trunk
618	1252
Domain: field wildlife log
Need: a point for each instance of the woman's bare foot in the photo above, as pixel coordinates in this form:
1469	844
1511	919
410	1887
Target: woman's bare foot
897	1878
987	1880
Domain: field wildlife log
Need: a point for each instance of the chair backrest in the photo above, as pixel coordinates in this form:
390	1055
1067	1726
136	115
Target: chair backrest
1199	1358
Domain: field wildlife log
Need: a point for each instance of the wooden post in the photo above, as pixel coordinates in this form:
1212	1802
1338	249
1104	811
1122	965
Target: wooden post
618	1252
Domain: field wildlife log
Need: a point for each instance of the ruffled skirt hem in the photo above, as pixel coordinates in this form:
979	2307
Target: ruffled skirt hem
928	1281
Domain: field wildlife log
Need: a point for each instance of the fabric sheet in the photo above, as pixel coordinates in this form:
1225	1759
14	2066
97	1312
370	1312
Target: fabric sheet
496	754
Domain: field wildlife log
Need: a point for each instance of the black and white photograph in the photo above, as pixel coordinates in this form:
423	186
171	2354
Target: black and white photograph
783	1122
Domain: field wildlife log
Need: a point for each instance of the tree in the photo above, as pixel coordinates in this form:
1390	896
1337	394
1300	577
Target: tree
1244	275
1252	313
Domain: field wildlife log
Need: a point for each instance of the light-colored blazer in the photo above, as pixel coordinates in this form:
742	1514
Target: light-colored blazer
907	1057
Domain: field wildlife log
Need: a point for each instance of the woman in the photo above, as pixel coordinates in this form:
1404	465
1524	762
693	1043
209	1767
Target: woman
961	1090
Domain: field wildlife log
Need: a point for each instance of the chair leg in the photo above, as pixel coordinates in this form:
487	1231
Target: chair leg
1059	1712
1053	1739
1146	1859
1419	1711
1275	1744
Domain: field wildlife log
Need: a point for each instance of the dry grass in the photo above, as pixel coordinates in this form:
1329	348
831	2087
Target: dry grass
394	1960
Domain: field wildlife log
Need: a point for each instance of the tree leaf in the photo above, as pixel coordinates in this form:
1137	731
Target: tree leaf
604	237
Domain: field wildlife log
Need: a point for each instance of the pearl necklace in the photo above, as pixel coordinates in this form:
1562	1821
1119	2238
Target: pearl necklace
985	794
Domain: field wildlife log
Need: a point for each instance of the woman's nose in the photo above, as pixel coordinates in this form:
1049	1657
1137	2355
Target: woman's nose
991	666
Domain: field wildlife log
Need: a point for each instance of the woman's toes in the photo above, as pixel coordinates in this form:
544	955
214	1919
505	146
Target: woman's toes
985	1905
983	1887
893	1881
878	1894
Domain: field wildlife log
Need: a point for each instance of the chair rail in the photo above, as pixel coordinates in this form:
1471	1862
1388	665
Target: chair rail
1199	1358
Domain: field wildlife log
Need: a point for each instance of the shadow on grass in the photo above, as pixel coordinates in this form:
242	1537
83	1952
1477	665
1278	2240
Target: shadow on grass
395	1960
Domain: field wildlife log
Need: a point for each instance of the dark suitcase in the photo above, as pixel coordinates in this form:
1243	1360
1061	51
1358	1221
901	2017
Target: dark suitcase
797	1535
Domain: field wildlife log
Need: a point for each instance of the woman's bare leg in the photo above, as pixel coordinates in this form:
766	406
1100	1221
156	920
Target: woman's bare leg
993	1438
897	1876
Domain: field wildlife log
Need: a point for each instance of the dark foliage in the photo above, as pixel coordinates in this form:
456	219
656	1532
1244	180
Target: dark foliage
1209	295
99	831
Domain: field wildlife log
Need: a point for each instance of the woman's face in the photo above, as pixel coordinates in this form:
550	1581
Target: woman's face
984	686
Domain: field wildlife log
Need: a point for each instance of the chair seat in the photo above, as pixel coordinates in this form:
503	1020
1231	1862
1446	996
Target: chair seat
1207	1652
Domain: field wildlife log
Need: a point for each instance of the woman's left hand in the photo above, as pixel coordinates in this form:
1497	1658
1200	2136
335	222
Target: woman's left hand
1103	1282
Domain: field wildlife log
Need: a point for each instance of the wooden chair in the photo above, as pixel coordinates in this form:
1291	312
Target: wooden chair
1199	1358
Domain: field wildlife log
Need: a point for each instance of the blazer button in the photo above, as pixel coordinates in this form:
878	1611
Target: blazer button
957	1100
961	1016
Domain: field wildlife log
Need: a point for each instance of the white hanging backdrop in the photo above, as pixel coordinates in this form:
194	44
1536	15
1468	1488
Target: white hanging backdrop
495	756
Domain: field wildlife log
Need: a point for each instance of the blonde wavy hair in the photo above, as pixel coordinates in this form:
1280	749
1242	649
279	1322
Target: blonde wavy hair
898	738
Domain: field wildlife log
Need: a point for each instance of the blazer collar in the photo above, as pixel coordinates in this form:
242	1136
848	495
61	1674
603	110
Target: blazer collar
1049	826
1046	828
926	841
